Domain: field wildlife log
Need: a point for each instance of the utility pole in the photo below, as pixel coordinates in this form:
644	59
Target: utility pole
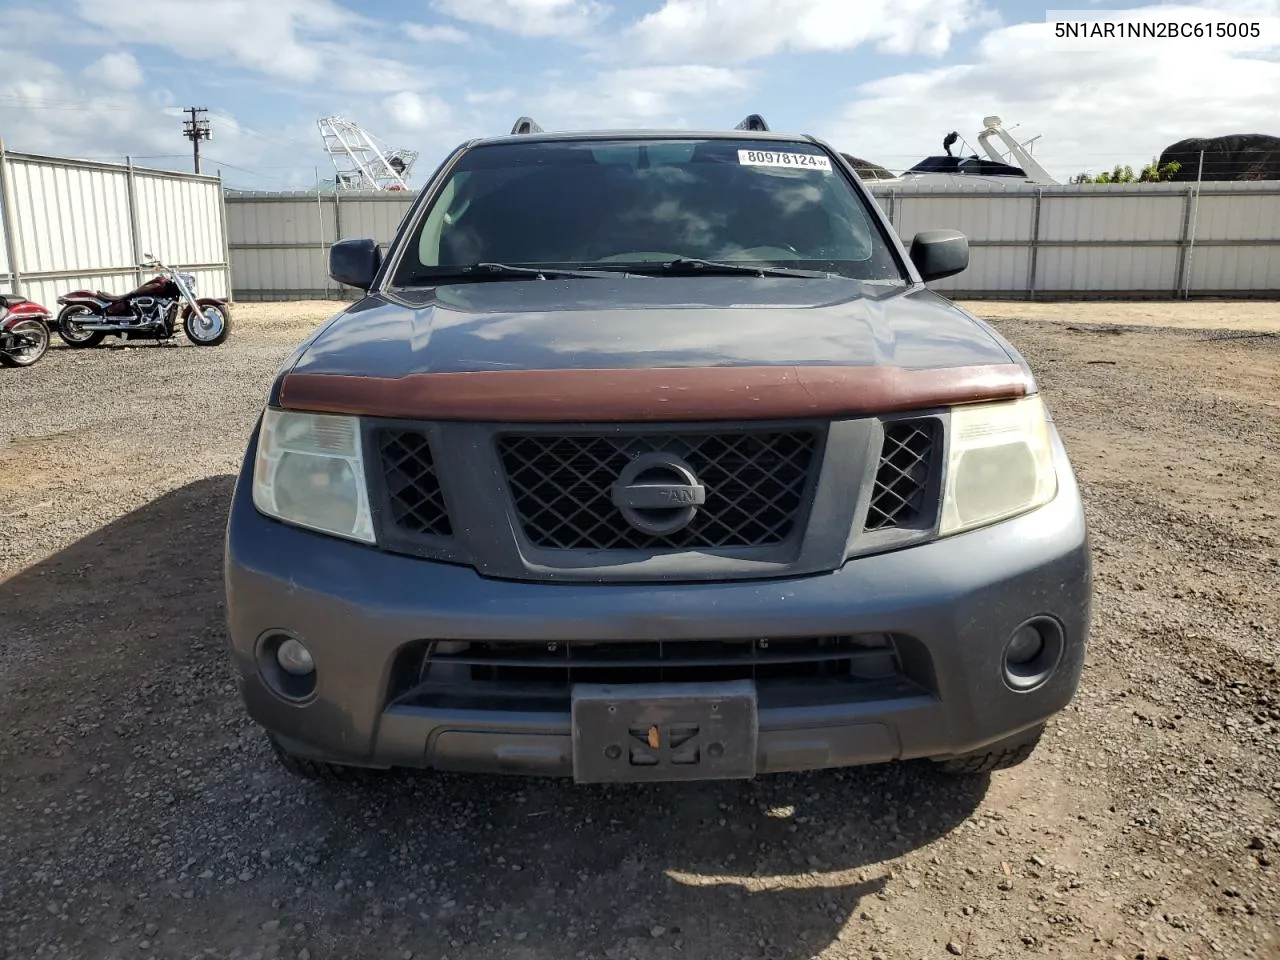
196	130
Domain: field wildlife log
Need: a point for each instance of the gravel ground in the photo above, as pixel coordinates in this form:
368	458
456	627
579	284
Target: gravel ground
141	815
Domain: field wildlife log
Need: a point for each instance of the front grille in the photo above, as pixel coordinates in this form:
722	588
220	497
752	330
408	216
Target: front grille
522	665
414	497
902	477
756	483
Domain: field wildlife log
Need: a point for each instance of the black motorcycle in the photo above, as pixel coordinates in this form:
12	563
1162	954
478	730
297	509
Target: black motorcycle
151	312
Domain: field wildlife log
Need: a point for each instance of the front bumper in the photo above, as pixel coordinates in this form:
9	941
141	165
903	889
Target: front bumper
954	602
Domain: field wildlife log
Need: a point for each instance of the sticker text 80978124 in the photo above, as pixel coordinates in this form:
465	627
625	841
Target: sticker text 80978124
774	158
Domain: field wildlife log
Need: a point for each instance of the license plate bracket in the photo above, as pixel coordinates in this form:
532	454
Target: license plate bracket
647	732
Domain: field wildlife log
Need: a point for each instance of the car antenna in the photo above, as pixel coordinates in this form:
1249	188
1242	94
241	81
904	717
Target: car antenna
753	122
526	125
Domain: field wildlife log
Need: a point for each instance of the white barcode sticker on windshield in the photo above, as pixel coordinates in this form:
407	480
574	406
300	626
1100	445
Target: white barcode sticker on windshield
774	158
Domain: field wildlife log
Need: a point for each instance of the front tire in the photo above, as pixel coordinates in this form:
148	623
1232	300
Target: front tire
69	331
1000	755
208	328
26	356
317	770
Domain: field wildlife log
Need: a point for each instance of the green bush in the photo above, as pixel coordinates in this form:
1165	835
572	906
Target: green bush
1151	173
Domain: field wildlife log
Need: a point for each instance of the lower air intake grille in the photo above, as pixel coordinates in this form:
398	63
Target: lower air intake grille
413	490
902	478
561	664
756	484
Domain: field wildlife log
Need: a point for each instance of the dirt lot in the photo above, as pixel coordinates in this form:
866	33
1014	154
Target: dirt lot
141	815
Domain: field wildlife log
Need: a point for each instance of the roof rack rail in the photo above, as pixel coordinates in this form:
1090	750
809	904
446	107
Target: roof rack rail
753	122
526	125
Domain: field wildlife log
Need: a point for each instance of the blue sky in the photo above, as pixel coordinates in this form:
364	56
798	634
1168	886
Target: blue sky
883	79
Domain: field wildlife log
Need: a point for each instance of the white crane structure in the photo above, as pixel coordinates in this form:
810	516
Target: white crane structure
361	160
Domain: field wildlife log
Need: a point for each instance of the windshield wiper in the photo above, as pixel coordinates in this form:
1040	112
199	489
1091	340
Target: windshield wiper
476	272
693	265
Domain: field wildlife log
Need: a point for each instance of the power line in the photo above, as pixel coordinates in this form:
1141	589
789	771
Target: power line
80	106
253	173
286	142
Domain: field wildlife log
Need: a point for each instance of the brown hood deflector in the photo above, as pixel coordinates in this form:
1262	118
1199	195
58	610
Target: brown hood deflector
664	394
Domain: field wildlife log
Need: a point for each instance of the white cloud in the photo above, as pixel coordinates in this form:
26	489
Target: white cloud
735	31
42	110
23	25
494	98
370	74
317	45
117	70
638	96
100	111
438	33
413	111
270	37
685	67
1122	104
45	110
528	18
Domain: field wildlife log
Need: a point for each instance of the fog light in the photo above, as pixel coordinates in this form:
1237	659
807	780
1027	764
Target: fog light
1025	645
1033	653
294	658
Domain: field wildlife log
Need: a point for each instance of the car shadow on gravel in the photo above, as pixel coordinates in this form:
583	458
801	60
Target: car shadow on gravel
775	867
128	744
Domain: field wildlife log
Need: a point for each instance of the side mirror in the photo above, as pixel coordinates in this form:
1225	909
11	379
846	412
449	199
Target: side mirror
355	262
939	253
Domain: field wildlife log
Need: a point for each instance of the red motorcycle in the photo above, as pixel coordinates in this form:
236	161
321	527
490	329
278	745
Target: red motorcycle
151	312
24	331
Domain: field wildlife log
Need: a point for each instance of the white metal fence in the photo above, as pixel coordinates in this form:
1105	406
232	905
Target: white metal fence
1155	241
1151	240
66	224
279	242
70	224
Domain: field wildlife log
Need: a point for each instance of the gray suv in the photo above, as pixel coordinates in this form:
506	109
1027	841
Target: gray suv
650	456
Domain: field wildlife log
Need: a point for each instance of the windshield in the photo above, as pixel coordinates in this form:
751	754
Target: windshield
613	204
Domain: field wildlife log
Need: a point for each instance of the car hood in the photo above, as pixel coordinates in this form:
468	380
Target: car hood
640	322
631	348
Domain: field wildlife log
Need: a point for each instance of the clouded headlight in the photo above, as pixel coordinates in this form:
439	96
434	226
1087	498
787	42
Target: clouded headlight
1000	463
309	470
